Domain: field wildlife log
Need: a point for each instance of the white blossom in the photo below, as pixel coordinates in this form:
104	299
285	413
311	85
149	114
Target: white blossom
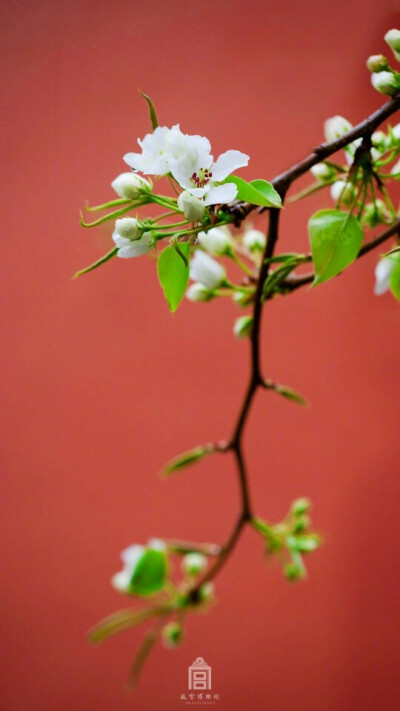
383	271
198	292
194	563
385	82
130	186
130	239
128	227
191	206
322	172
196	171
335	127
254	240
243	326
392	38
206	270
217	241
157	149
342	191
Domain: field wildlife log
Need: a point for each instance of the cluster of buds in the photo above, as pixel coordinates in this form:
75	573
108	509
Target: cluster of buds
383	78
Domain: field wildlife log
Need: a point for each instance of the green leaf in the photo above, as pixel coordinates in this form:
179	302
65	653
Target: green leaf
335	238
119	622
291	394
97	263
152	111
150	573
258	192
394	282
173	273
187	458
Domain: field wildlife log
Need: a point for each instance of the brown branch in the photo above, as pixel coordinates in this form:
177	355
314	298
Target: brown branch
240	210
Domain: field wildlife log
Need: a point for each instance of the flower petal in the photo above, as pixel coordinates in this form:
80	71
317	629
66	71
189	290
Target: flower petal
221	194
227	163
134	160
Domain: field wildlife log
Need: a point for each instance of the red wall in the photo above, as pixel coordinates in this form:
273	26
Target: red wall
101	384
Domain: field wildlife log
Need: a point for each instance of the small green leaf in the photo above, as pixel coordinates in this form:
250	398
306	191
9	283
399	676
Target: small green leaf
258	192
152	111
290	394
119	622
150	573
187	458
173	273
97	263
394	282
335	238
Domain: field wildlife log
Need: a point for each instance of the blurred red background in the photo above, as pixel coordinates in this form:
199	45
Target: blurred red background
101	385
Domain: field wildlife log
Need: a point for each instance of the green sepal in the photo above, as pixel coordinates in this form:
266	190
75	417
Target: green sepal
187	458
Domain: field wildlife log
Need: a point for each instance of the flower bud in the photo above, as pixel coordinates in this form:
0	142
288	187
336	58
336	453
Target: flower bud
254	240
217	241
396	168
377	63
130	185
206	270
206	592
128	227
243	298
383	272
342	191
392	38
128	248
194	563
172	635
300	506
385	82
323	172
376	213
293	572
198	292
191	206
243	326
335	127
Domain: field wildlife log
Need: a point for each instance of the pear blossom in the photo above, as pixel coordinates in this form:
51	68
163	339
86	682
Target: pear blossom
322	172
342	191
385	82
335	127
206	270
254	240
194	563
130	239
192	207
157	148
197	172
243	326
383	272
377	63
130	186
198	292
392	38
130	557
217	241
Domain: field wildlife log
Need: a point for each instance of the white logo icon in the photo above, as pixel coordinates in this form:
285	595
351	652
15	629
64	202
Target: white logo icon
199	675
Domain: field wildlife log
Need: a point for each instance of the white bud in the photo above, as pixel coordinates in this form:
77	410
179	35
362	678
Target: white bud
342	191
324	173
206	592
191	206
198	292
194	563
243	326
130	557
128	227
396	131
396	168
392	38
206	270
377	63
217	241
254	240
335	127
375	213
130	185
385	82
128	248
383	271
